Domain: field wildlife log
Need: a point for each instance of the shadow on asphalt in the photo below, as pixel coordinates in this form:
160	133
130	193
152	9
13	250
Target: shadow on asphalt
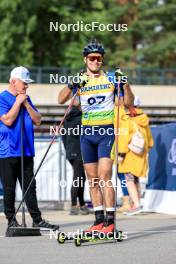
138	235
151	232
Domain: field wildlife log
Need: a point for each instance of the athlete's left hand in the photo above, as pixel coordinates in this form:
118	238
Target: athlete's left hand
121	77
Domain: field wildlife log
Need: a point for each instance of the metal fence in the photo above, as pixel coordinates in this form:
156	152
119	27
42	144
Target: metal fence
146	76
54	177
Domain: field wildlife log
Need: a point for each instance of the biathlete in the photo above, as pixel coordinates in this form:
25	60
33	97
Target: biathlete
96	94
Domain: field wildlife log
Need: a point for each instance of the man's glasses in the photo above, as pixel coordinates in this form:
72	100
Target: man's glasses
93	58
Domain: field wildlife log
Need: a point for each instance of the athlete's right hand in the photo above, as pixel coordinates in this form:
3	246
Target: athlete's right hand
78	81
21	98
83	79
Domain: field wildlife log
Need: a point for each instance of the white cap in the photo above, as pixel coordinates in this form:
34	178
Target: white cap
137	101
21	73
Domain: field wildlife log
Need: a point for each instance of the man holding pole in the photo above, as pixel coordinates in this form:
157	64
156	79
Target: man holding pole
11	101
96	92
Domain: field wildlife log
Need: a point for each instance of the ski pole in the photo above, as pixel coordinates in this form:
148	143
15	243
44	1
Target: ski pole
116	147
22	163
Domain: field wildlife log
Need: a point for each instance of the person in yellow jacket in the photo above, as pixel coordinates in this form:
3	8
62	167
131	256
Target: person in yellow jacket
132	164
126	204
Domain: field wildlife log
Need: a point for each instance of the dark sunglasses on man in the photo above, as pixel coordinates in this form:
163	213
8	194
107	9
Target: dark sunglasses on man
93	58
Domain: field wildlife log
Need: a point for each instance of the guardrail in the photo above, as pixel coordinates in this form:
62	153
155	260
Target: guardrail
52	115
146	76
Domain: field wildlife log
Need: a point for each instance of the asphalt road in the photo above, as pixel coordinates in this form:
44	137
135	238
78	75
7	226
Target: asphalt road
151	239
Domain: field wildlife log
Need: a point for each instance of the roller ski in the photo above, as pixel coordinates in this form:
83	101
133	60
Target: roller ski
62	236
96	233
107	233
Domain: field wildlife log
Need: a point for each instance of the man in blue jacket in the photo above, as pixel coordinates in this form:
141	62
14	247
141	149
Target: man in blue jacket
11	101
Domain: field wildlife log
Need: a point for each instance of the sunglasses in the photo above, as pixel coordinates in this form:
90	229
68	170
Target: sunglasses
93	58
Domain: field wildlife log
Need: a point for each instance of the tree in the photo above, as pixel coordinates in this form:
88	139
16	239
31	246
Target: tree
25	36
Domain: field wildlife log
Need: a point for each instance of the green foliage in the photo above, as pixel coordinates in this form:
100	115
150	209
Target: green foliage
25	37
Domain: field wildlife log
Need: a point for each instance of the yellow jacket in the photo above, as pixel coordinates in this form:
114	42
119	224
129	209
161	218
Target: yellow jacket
133	163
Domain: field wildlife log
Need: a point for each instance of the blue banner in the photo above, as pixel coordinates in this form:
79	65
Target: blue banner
162	158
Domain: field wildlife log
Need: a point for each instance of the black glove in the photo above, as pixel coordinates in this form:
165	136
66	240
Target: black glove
121	77
81	81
